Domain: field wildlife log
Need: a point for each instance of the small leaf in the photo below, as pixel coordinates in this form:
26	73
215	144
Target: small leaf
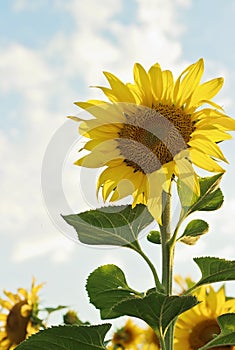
193	231
211	197
156	309
227	335
154	237
214	270
67	338
116	225
107	286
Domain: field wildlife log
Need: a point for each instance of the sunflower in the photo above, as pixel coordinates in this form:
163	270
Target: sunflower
127	337
153	130
150	341
18	322
197	326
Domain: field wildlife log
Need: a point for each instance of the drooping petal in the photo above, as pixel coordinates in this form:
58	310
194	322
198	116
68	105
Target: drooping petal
204	161
205	145
185	172
214	134
100	155
206	91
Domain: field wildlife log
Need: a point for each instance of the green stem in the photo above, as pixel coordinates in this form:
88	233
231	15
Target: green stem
152	268
167	248
167	257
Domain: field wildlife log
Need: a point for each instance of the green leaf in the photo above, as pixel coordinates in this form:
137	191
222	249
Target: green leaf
227	336
154	237
156	309
107	286
214	270
116	225
193	231
67	338
211	197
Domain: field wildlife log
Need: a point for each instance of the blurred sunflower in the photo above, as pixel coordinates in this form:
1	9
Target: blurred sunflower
153	130
126	337
20	319
197	326
150	340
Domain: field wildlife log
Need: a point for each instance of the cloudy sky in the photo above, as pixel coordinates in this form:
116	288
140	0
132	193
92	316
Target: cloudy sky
51	51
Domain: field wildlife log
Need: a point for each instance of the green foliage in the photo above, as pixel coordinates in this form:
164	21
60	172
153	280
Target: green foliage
106	287
214	270
154	237
211	197
67	338
193	231
157	309
116	225
227	335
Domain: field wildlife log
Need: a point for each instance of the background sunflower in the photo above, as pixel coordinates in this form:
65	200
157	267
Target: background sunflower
20	317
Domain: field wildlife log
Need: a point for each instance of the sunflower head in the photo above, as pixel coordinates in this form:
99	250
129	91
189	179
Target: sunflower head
150	340
20	318
197	326
152	131
126	337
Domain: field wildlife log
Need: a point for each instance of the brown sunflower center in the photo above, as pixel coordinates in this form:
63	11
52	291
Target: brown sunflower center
16	325
152	137
203	332
123	337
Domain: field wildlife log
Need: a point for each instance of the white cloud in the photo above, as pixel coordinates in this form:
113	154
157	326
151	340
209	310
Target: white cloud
27	5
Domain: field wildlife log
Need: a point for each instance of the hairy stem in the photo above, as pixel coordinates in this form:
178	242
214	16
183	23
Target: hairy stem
167	258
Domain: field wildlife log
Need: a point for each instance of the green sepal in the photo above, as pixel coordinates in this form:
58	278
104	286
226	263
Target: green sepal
67	338
156	309
193	231
227	336
50	310
114	225
154	237
106	287
210	198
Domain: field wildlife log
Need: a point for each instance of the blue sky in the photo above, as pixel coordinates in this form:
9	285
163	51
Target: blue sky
50	53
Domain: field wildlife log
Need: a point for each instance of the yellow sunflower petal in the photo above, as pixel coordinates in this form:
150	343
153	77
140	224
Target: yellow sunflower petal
140	194
102	154
155	75
90	129
121	91
205	145
189	83
142	81
3	317
206	91
13	297
5	304
204	161
223	122
213	134
135	92
168	86
186	173
110	178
